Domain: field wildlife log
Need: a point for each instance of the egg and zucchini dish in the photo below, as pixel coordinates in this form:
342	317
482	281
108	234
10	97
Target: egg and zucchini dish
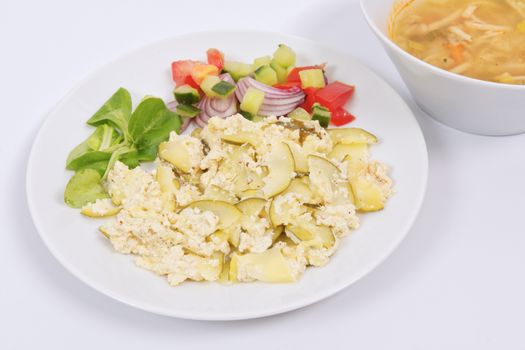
241	201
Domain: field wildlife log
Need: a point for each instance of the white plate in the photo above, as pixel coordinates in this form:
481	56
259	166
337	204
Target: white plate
75	242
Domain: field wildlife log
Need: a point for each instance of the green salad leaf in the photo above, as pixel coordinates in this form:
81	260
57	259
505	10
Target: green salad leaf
104	138
131	159
116	156
95	151
134	157
120	135
115	111
84	187
148	125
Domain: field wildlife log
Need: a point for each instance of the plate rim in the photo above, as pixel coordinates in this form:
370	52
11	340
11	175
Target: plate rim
202	316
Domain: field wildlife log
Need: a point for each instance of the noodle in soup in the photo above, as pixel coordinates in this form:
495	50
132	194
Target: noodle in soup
482	39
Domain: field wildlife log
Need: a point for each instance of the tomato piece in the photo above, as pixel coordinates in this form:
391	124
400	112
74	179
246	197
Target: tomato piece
335	95
310	99
286	86
201	71
216	58
189	81
181	69
341	116
293	76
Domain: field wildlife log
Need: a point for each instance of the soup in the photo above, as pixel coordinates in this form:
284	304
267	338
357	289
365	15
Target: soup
482	39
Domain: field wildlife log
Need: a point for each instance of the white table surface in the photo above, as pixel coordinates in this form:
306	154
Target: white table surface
457	281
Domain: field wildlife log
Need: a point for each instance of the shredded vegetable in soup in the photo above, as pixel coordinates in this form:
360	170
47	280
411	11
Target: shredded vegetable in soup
482	39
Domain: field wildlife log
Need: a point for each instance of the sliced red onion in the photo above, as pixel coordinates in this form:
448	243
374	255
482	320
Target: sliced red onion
286	96
204	117
172	106
269	91
227	78
217	107
220	104
277	102
199	122
185	123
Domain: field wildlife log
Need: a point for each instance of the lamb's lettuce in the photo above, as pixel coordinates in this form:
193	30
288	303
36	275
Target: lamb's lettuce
116	156
84	187
148	125
120	135
115	111
95	151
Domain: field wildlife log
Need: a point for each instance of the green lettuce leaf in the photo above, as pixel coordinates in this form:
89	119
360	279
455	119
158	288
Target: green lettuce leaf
116	155
84	187
116	111
151	123
133	158
95	151
120	135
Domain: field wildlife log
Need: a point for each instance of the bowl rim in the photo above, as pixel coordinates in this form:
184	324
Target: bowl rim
454	76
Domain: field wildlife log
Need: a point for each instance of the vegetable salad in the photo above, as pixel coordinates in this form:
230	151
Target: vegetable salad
269	86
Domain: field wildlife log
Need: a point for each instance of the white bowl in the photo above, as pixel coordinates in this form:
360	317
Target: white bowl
463	103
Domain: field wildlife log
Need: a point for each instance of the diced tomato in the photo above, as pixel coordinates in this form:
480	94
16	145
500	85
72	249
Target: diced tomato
341	116
335	95
216	58
181	69
201	71
286	86
189	81
310	99
293	76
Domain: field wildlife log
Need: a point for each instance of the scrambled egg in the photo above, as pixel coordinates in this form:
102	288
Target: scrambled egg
242	201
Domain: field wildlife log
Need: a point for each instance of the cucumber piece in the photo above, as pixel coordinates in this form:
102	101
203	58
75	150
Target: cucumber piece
312	78
321	114
246	115
208	83
251	117
284	56
237	70
223	88
282	73
252	100
186	94
187	111
266	75
299	114
261	61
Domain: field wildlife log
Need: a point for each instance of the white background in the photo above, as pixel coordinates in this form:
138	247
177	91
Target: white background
457	281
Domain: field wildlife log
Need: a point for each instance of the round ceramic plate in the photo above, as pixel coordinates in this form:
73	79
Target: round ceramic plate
76	243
